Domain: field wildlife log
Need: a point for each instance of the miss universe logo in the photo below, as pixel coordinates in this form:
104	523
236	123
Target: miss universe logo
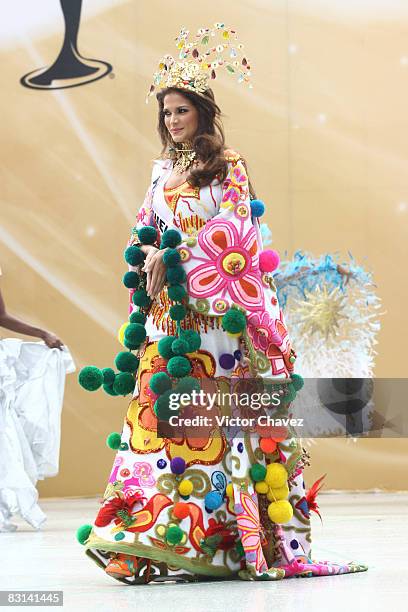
70	69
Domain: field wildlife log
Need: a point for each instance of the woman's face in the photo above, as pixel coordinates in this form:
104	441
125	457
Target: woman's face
180	117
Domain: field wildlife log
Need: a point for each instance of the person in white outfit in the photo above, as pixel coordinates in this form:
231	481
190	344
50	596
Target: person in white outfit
32	379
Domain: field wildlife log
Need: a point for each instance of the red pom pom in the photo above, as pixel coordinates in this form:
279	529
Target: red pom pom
180	510
269	260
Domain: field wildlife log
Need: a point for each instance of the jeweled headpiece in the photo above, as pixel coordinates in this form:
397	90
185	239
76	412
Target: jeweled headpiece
200	59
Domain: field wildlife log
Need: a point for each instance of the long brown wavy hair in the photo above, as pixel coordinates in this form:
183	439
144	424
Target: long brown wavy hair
209	140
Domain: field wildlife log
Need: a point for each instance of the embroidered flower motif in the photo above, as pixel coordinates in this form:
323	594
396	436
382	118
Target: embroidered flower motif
220	306
231	197
233	265
238	176
235	192
262	331
250	530
242	211
144	214
185	254
145	473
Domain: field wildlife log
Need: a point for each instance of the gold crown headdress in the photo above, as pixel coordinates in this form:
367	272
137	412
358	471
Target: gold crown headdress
199	60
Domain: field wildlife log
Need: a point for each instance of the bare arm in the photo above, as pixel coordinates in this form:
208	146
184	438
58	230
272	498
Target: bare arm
13	324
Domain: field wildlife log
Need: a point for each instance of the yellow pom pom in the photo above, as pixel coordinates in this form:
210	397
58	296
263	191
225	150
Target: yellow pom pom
275	494
280	511
229	490
121	332
261	487
236	335
276	475
185	487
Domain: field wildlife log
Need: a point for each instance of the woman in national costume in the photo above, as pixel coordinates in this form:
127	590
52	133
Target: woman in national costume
203	307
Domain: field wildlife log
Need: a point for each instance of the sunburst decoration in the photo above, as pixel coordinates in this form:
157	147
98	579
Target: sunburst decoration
321	312
332	313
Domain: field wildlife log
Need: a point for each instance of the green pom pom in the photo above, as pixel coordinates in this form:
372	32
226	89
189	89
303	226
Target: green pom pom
147	235
113	440
297	381
131	280
90	378
137	317
180	347
177	312
140	298
176	275
192	338
160	382
83	532
135	333
124	383
162	406
234	321
176	293
164	347
257	472
171	238
174	535
289	395
187	385
108	376
171	258
134	255
179	367
131	345
109	390
126	362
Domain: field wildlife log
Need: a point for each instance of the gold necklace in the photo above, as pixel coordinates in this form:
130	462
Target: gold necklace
182	157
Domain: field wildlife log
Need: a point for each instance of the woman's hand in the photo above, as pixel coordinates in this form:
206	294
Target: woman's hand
155	270
51	340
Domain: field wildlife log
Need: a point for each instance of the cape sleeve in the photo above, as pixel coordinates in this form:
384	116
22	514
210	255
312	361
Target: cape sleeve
222	265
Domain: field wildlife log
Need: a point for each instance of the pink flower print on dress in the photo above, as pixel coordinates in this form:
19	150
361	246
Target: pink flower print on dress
232	267
238	177
231	197
145	473
249	527
262	331
235	190
143	216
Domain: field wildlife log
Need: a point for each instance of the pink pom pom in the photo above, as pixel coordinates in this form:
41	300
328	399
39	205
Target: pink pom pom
269	260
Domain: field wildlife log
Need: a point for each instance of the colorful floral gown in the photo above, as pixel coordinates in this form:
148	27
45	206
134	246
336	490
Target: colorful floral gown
220	254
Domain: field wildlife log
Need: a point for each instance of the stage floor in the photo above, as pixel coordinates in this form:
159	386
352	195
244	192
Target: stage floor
366	527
